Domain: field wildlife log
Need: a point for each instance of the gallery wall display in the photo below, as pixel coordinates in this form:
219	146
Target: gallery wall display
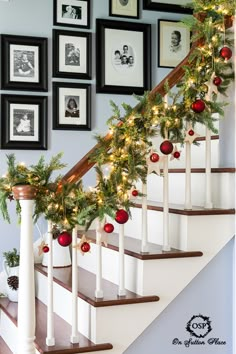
73	13
23	122
124	8
71	106
168	6
123	57
24	63
173	43
72	54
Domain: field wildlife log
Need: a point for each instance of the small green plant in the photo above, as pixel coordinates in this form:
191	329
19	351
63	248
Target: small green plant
12	258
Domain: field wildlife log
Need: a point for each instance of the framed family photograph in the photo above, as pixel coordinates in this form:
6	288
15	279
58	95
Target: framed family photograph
123	57
73	13
24	122
72	54
124	8
24	63
71	106
174	41
176	6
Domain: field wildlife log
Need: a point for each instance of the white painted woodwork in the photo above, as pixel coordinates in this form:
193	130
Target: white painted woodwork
121	291
99	230
188	189
50	339
166	241
144	246
74	295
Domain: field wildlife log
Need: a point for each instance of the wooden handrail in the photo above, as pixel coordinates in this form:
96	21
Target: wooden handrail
84	165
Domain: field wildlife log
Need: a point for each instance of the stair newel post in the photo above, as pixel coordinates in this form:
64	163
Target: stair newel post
144	246
121	290
188	196
50	340
26	300
74	328
99	291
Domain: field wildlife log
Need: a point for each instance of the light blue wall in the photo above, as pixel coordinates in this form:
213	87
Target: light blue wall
209	294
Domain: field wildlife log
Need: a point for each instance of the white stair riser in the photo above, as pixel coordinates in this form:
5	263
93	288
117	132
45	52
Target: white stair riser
222	189
8	331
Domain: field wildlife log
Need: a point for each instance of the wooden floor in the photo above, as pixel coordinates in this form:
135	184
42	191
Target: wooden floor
62	332
86	288
4	349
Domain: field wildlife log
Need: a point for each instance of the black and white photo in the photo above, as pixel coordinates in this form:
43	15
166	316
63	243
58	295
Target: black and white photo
24	63
176	6
123	57
71	106
173	43
73	13
25	122
124	8
71	54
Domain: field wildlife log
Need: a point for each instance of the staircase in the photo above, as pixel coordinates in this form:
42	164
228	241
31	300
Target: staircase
153	279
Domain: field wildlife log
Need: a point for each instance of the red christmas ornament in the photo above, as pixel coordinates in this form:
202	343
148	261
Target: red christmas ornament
226	53
85	247
191	132
176	154
45	249
108	228
166	147
121	216
64	239
154	157
217	81
135	193
198	106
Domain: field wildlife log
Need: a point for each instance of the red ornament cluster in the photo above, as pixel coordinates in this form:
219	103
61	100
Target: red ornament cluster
217	81
226	53
121	216
166	147
85	247
154	157
198	106
64	239
108	228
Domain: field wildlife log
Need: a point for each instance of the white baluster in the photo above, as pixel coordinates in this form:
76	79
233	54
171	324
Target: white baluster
121	291
26	299
144	247
74	328
50	340
99	291
166	241
188	193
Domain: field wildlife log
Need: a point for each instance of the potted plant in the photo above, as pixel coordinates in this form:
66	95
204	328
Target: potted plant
11	266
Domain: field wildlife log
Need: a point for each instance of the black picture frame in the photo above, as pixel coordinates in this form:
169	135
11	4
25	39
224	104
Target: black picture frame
124	8
166	6
112	37
24	63
77	117
72	54
23	122
174	43
63	13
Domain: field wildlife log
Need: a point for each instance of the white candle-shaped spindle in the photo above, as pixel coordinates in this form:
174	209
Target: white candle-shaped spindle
74	326
188	193
121	291
50	340
99	291
166	242
144	246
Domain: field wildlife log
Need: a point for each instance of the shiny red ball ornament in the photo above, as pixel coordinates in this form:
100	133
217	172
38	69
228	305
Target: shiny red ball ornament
108	228
191	132
64	239
198	106
217	81
85	247
226	53
121	216
166	147
45	249
154	157
176	154
134	193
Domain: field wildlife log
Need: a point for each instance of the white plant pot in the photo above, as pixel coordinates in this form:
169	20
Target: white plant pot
11	271
61	255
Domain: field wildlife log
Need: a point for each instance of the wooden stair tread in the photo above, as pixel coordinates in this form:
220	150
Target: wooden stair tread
133	247
179	209
4	349
62	332
86	288
203	170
